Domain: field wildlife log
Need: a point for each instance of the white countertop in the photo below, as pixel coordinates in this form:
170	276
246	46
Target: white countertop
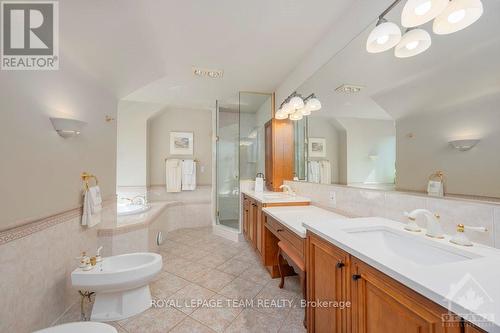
275	197
478	278
293	217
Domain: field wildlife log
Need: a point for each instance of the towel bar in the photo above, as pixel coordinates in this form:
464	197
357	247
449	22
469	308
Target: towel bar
86	177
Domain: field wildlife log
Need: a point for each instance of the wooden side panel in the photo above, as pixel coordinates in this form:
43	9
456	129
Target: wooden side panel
258	230
279	148
269	156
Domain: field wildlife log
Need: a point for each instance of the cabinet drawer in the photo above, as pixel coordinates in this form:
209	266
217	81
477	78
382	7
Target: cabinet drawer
284	234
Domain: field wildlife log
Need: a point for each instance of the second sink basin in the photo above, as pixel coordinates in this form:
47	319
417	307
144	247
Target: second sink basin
417	249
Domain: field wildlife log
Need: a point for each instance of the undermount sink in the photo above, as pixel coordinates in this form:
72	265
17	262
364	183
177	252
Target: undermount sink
416	249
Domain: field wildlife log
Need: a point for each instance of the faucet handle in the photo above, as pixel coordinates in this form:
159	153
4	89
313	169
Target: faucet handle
412	225
437	216
462	228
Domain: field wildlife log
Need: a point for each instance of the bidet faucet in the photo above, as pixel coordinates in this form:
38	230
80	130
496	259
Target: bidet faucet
139	198
433	226
287	189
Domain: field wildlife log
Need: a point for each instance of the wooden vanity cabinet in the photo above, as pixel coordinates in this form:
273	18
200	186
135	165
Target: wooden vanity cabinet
379	304
279	153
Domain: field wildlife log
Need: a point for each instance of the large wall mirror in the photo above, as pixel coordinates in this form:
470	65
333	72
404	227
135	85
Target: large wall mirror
391	123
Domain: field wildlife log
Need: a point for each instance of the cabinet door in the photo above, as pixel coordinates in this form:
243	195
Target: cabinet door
252	221
246	212
382	305
327	269
258	229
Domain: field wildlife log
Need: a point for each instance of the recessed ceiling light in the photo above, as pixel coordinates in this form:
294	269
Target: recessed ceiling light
348	89
211	73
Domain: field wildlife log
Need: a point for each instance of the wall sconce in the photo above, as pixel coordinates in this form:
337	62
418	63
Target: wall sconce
67	128
464	145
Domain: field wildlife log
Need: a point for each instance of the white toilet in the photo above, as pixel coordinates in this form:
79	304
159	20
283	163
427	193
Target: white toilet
121	284
80	327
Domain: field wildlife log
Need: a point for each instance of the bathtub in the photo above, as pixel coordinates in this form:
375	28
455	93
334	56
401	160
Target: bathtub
131	209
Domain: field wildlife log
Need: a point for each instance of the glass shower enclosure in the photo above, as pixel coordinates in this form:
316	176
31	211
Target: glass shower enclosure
239	150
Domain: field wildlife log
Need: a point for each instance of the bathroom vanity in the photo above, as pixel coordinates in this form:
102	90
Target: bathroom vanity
253	218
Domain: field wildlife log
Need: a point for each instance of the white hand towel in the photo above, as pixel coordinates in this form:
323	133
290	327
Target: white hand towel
173	175
325	172
89	218
95	199
313	172
188	175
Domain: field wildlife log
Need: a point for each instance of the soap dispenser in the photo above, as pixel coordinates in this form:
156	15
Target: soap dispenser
259	182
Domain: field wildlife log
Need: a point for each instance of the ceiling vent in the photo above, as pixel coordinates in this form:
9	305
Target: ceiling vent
210	73
348	89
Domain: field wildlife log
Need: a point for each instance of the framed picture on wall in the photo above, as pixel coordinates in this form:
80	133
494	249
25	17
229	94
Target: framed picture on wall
181	143
317	147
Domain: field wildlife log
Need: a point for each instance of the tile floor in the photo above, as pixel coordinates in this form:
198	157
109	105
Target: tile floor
210	284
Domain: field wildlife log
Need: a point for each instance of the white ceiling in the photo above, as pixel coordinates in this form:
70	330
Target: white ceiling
459	67
144	50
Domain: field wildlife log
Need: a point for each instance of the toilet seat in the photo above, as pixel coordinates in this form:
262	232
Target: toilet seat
80	327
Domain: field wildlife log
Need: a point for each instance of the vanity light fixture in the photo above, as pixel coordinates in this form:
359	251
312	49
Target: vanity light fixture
67	128
418	12
383	37
449	16
457	16
295	107
414	41
464	145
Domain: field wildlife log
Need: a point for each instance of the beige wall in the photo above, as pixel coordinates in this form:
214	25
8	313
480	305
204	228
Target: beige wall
367	137
41	170
180	120
473	172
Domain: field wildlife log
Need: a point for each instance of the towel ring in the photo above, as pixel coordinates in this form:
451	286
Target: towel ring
437	176
86	177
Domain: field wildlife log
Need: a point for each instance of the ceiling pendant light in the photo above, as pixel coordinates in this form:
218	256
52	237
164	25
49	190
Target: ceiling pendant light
457	16
412	43
418	12
383	37
297	115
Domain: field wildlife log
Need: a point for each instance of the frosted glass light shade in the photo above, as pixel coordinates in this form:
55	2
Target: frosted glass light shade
67	128
457	16
418	12
313	104
383	37
412	43
297	115
296	102
305	111
280	115
287	108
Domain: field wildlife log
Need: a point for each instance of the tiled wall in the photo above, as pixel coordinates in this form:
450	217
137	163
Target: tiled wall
392	205
35	270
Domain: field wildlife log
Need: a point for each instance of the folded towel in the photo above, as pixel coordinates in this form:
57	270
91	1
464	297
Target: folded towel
91	214
173	175
95	199
188	175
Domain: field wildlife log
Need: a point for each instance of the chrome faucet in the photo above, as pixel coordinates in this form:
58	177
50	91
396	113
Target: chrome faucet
287	189
434	229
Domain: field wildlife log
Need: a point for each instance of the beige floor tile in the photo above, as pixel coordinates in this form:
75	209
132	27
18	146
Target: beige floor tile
289	328
166	285
241	289
256	273
190	325
213	260
154	320
217	314
295	316
234	267
251	321
186	269
214	280
186	299
275	301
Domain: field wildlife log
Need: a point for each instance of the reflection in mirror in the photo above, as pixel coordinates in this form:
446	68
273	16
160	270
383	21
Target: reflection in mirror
255	111
391	123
